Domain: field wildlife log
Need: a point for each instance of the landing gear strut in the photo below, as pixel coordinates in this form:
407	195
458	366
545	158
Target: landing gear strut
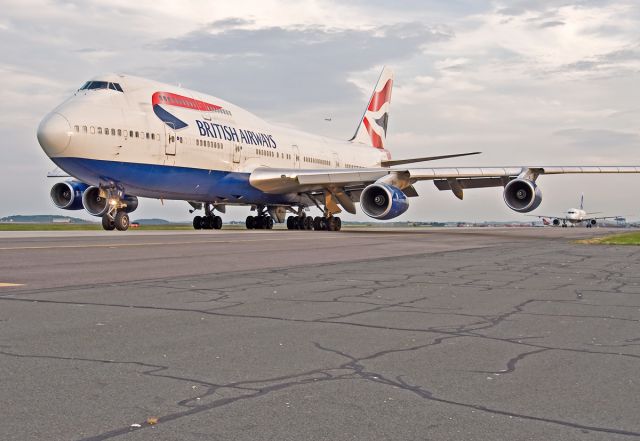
209	221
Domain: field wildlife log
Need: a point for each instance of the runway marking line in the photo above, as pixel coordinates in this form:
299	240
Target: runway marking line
123	245
7	285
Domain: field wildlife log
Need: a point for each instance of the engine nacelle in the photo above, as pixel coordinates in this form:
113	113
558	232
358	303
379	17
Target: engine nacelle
593	222
68	195
383	201
97	205
522	195
556	222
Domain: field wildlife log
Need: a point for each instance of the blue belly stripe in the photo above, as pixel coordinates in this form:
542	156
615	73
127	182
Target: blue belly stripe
171	182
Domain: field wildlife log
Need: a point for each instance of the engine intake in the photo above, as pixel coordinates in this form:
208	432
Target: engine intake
522	195
383	201
68	195
97	205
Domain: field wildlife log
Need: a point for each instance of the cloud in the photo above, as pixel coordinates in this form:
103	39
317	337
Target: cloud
606	140
292	65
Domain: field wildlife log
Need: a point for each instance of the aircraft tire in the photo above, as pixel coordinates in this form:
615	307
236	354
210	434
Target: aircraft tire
197	222
268	223
107	223
290	221
121	221
317	223
308	223
338	224
216	222
250	223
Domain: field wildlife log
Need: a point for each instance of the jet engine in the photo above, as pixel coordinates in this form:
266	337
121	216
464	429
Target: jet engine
556	222
383	201
98	205
68	195
522	195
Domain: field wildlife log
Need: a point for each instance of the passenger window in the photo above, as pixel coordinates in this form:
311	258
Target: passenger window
119	132
113	132
137	134
147	135
106	131
152	136
84	129
158	136
99	130
130	133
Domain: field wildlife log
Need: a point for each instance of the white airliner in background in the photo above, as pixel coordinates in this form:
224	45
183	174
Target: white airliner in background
576	216
121	137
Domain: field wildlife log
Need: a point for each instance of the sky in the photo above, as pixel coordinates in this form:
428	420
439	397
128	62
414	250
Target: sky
527	82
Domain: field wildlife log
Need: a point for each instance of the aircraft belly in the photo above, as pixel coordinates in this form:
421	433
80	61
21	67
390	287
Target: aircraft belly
171	182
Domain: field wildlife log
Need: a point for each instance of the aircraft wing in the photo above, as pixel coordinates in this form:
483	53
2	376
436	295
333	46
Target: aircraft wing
345	185
278	180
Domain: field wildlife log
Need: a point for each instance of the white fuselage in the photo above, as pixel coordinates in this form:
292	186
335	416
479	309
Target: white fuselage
576	215
162	141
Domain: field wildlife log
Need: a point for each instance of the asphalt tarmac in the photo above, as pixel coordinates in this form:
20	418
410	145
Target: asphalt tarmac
442	334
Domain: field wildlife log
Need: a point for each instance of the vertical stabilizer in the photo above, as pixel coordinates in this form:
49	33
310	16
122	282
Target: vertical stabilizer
582	201
373	125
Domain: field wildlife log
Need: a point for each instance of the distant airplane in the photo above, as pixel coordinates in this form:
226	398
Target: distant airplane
576	216
123	137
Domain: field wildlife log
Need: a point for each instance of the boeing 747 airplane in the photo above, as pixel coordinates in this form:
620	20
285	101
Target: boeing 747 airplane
121	137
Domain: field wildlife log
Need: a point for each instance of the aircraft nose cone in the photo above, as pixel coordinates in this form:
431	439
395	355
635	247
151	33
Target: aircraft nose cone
54	134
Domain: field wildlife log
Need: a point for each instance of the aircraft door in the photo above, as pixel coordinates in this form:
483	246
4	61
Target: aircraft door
170	141
336	160
237	152
296	156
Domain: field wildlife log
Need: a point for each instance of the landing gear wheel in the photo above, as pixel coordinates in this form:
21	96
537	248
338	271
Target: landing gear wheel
317	223
268	223
291	223
260	222
197	222
308	223
121	221
207	223
250	223
107	223
331	224
216	222
337	224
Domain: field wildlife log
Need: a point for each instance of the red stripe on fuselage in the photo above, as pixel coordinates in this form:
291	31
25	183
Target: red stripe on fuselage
380	98
172	99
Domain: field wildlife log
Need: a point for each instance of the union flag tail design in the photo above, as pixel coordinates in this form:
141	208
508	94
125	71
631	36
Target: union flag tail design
373	125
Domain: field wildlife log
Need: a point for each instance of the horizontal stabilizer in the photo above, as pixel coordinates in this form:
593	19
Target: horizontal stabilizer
391	163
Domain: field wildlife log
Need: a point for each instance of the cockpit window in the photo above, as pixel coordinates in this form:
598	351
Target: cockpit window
89	85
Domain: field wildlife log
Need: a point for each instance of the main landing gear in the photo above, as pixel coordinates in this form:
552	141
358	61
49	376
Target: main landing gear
263	221
331	223
209	221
